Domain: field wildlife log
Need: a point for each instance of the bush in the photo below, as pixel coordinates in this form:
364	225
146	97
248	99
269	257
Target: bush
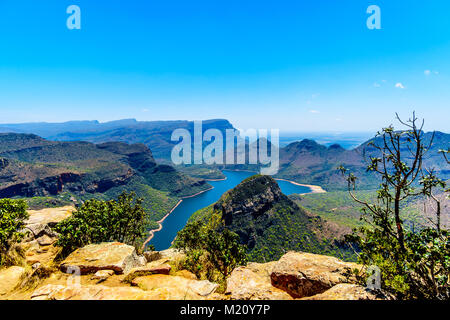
12	216
123	220
210	253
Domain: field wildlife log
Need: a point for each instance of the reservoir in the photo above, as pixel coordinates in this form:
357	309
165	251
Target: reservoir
179	217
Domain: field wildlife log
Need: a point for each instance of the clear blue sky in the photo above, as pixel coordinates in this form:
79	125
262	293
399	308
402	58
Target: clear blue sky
294	65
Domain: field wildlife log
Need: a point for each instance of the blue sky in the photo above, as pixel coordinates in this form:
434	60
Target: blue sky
293	65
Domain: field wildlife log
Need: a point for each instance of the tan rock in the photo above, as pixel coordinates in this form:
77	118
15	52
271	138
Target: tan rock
45	240
178	287
10	279
49	216
306	274
94	292
345	291
102	275
104	256
253	283
186	274
155	267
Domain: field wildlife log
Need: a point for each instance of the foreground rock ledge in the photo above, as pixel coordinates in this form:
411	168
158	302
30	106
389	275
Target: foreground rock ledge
114	256
306	274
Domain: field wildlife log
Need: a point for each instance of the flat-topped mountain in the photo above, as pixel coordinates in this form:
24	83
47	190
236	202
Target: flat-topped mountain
35	167
154	134
268	222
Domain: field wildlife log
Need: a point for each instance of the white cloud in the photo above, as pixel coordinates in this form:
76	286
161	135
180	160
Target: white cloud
429	72
314	111
145	110
399	85
376	85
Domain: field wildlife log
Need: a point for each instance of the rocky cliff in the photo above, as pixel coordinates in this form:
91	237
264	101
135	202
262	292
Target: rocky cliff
115	271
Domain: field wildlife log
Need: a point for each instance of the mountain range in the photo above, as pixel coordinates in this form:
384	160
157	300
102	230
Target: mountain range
42	170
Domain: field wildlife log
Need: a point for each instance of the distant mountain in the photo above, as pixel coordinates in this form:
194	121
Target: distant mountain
31	166
308	162
269	223
155	134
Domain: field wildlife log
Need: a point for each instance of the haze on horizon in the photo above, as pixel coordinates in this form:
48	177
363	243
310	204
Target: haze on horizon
303	67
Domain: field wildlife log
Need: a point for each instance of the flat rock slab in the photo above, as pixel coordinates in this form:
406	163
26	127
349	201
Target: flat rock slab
307	274
102	275
253	283
10	278
49	216
93	292
155	267
178	287
345	291
114	256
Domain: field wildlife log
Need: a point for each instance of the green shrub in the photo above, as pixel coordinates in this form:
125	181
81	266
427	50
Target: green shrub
210	253
122	220
12	216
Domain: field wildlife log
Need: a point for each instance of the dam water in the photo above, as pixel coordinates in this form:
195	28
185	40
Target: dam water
179	217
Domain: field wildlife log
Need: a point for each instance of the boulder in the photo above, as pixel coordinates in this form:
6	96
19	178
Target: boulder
155	267
45	240
49	216
306	274
186	274
104	256
345	291
10	279
178	287
93	292
253	283
102	275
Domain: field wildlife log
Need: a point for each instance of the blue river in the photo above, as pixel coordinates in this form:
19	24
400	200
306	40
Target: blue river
179	217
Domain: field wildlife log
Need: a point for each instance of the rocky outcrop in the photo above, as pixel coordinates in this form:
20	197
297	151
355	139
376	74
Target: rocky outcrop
345	291
306	274
92	292
176	287
49	217
113	271
154	267
114	256
10	279
253	283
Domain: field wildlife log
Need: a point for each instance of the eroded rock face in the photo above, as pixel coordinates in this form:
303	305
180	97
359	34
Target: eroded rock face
155	267
177	287
114	256
253	283
91	292
50	216
306	274
345	291
10	279
102	275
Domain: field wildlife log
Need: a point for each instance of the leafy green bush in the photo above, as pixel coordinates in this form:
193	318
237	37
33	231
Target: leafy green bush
96	221
12	216
209	251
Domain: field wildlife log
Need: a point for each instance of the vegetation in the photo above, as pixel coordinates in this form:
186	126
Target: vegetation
96	221
271	226
12	216
210	253
413	263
